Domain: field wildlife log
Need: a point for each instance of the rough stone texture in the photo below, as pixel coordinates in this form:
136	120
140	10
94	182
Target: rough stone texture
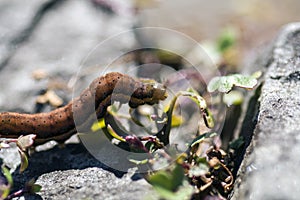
270	169
17	21
56	36
64	36
72	173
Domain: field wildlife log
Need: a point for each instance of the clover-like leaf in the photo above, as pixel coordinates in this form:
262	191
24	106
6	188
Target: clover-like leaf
225	84
219	83
242	81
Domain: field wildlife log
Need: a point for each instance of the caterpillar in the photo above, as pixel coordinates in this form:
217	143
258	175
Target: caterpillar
59	124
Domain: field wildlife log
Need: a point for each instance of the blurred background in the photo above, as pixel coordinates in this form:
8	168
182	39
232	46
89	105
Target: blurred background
55	36
255	22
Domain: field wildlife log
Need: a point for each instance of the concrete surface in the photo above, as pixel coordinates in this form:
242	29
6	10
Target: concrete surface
73	173
270	169
55	36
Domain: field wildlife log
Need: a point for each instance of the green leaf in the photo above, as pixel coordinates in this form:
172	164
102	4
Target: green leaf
7	175
184	192
201	160
161	179
168	180
177	176
36	188
98	125
200	101
5	189
225	84
257	74
202	137
138	159
109	131
139	162
227	39
176	120
31	187
153	145
208	119
244	81
24	160
221	84
236	144
196	97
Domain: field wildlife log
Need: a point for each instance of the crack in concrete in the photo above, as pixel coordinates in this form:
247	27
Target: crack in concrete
295	76
268	169
248	126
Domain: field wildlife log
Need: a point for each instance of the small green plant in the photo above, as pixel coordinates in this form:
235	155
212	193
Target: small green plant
195	173
226	40
6	184
187	174
208	173
225	84
23	143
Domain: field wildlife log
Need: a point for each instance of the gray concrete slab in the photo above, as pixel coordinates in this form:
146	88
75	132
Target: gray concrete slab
270	169
58	44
